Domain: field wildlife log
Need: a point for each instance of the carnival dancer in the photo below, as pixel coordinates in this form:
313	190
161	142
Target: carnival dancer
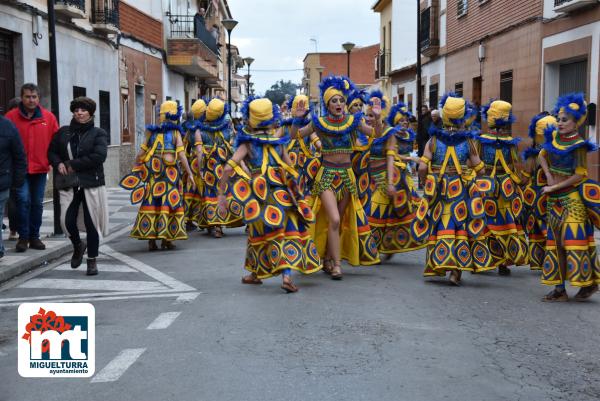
277	215
192	195
155	182
342	229
499	186
215	142
356	101
451	213
392	199
533	199
573	205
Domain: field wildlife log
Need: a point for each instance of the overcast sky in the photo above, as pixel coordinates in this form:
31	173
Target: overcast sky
277	33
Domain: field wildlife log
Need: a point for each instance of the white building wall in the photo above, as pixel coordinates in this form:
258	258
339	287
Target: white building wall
173	85
153	8
549	9
428	70
404	34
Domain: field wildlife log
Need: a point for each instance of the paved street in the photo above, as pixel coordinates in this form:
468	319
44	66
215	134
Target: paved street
179	326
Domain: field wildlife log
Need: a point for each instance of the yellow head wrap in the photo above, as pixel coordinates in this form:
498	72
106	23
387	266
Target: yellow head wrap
215	109
330	93
170	107
454	109
198	108
297	100
499	109
260	110
542	123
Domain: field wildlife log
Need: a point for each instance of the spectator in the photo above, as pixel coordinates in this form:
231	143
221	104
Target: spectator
12	203
436	121
78	152
36	126
215	32
12	164
199	23
423	130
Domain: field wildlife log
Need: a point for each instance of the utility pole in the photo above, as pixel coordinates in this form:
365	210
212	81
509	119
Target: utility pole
419	91
54	102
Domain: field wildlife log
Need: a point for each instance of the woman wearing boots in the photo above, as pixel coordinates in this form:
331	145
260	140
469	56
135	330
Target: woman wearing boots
502	197
156	182
78	152
342	229
216	144
535	202
573	205
275	211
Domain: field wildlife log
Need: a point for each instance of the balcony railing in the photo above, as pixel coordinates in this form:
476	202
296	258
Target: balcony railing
565	6
383	64
105	15
70	8
183	26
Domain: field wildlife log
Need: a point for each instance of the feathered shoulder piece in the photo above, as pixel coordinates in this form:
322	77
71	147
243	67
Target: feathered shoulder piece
347	124
450	138
164	127
562	146
530	152
492	138
244	136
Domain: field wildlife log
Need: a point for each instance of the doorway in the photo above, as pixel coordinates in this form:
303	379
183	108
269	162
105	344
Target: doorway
7	71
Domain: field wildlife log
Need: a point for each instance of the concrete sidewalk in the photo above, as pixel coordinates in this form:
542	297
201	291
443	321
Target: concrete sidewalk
122	213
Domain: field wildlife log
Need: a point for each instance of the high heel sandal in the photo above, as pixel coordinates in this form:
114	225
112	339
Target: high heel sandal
164	244
218	232
327	268
455	277
152	245
336	272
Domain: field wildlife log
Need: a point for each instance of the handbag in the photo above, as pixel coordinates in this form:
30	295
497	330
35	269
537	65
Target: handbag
67	181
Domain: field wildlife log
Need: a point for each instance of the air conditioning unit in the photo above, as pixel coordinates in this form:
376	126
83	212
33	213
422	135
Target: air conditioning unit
566	6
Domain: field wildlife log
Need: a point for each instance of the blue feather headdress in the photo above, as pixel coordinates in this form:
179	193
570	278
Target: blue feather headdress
574	105
398	108
359	94
378	94
534	122
341	83
246	112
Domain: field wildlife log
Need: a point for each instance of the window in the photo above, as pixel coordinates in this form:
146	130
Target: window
458	88
78	91
125	108
461	8
105	112
154	111
433	96
506	86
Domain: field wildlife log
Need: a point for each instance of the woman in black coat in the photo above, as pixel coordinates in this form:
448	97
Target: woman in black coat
78	153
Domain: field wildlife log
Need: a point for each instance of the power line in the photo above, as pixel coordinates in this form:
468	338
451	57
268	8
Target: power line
276	70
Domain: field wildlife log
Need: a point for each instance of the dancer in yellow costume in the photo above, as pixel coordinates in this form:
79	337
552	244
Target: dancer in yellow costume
500	188
534	200
192	195
342	229
451	212
573	205
156	182
392	199
277	215
216	144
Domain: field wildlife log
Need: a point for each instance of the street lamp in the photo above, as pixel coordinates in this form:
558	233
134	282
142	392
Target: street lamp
248	61
348	46
229	24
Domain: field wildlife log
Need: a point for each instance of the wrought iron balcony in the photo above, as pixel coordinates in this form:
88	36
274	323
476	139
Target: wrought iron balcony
565	6
70	8
383	64
186	27
105	16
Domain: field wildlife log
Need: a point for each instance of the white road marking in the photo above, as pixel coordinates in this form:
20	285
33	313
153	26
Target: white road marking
186	298
93	285
115	368
97	297
163	321
102	267
148	270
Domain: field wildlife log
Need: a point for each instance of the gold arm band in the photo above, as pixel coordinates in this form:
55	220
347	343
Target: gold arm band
179	149
390	153
144	147
314	140
238	169
198	143
425	159
525	174
479	167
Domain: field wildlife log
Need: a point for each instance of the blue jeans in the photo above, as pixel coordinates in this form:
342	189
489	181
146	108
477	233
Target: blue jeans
3	198
29	206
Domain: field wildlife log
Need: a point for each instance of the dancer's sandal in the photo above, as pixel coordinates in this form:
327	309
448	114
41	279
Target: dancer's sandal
167	245
336	272
217	232
556	296
586	292
251	279
327	268
152	245
455	277
289	287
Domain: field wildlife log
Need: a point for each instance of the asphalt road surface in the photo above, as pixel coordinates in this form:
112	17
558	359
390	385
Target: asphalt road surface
179	325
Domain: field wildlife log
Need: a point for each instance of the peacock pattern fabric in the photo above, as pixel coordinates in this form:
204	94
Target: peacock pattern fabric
502	199
217	149
192	196
277	215
572	214
303	156
156	185
534	214
390	218
358	245
451	215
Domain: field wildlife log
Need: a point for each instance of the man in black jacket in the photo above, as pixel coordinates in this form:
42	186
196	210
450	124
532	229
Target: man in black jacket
13	164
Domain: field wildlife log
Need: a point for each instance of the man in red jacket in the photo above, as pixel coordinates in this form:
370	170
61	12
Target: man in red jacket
36	126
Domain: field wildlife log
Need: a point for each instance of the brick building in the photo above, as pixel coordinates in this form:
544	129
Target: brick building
362	67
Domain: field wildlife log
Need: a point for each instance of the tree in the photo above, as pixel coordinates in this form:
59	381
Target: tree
279	90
